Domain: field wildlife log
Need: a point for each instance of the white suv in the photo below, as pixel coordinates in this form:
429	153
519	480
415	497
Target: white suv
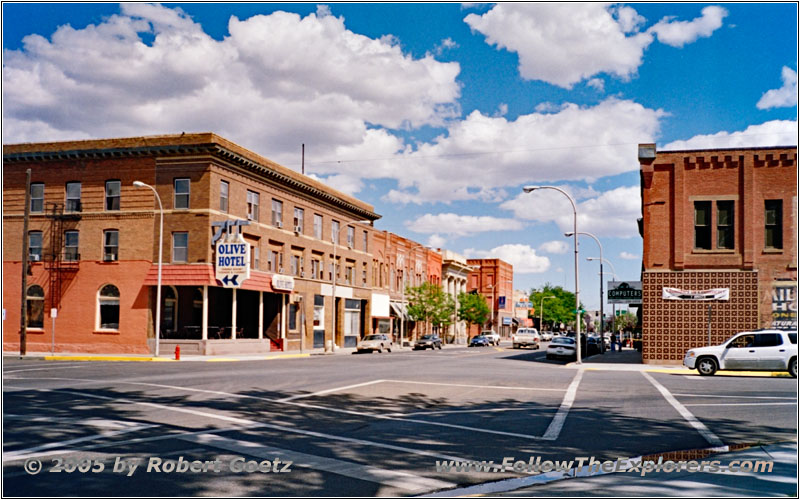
761	350
492	335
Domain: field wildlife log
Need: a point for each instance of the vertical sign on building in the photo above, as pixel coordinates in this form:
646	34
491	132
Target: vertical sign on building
784	305
232	264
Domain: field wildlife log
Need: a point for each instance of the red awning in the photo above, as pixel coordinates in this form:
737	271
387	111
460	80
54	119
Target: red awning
203	274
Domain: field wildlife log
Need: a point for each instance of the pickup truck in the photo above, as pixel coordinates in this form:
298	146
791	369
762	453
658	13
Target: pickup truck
492	335
525	337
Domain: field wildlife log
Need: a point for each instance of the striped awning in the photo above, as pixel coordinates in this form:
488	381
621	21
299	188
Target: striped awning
203	274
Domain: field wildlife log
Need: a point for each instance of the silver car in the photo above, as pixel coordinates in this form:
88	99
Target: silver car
376	342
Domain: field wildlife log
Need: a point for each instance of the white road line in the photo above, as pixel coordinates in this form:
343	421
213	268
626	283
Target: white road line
449	412
327	391
686	414
397	479
53	367
251	423
741	404
502	387
554	429
695	377
733	397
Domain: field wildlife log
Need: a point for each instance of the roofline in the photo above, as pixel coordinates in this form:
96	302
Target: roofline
743	148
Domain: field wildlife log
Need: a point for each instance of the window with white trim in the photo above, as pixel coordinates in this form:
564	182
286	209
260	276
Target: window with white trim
108	308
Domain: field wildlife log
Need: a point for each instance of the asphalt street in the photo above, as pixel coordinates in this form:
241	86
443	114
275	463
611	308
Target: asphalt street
355	425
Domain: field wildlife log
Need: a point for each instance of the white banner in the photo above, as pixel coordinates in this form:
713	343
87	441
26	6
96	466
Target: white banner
710	294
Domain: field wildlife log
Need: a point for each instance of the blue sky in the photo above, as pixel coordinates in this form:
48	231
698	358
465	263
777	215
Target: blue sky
437	114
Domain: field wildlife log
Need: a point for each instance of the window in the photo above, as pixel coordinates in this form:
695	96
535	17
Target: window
71	239
299	213
702	225
351	236
316	268
35	246
35	300
108	308
255	257
111	245
317	226
773	223
37	197
252	205
73	197
293	310
366	240
768	340
297	264
112	194
349	271
181	193
277	213
335	232
180	247
725	226
223	196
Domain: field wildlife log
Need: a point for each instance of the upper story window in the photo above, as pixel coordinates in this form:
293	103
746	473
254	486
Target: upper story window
317	226
111	245
255	257
366	241
702	225
773	223
299	213
223	196
73	203
37	197
252	205
725	218
335	232
351	236
182	193
112	194
180	247
277	213
71	243
35	246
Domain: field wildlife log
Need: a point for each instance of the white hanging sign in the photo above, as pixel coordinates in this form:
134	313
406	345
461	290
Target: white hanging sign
668	293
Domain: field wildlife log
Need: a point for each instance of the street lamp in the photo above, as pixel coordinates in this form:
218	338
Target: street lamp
335	274
528	189
541	308
602	316
513	312
140	184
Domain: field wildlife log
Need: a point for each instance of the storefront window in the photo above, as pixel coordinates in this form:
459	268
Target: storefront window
35	299
108	305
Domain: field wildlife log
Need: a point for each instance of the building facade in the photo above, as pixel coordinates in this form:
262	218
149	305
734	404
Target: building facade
494	279
93	245
720	245
455	272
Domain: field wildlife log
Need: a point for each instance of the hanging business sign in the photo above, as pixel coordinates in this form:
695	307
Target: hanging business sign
282	282
668	293
624	292
232	261
784	305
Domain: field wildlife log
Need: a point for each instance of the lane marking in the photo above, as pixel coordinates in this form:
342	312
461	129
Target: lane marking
477	386
686	414
395	478
554	429
327	391
449	412
51	368
733	397
741	404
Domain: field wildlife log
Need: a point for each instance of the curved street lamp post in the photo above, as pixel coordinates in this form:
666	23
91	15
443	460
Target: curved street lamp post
602	316
140	184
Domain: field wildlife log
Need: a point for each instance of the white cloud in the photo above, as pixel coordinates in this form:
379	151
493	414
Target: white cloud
461	225
564	43
679	33
436	241
610	214
772	133
555	246
522	257
629	256
597	84
322	83
784	97
445	45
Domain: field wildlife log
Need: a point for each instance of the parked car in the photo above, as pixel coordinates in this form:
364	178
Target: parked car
376	342
525	337
479	341
760	350
492	335
590	345
426	341
561	347
546	336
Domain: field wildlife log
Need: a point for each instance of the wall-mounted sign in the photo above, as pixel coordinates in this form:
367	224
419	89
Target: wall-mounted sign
624	292
501	302
282	282
784	305
506	321
232	261
522	305
668	293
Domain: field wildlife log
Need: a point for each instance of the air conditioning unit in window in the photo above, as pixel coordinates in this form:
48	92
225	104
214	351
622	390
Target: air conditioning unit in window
249	216
278	224
109	257
35	257
298	229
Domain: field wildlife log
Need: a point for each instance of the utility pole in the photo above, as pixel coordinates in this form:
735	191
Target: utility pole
23	319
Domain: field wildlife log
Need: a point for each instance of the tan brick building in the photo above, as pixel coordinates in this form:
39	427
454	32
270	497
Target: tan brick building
720	242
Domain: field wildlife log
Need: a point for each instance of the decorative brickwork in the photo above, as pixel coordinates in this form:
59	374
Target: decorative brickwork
671	327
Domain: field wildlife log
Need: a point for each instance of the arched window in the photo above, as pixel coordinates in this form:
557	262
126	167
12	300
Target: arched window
35	299
108	308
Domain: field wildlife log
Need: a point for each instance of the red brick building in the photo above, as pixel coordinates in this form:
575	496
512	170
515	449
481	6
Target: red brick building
93	244
494	279
720	241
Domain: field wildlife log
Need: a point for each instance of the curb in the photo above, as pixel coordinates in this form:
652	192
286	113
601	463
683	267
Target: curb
152	358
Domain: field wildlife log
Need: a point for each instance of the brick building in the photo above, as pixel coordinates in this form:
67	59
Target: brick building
720	242
493	278
93	245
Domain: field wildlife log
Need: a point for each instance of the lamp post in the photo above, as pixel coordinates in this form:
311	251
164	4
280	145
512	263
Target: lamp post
602	316
541	308
140	184
335	274
614	274
492	286
511	327
528	189
403	294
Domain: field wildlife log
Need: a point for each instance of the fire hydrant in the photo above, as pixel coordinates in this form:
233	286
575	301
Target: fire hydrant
177	353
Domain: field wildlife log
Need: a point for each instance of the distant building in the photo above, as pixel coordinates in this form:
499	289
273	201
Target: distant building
455	272
720	245
493	278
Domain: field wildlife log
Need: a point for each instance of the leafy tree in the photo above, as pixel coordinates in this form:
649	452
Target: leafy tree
429	303
560	309
472	309
626	321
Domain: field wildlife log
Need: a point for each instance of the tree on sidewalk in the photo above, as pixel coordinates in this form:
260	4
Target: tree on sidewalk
472	309
429	303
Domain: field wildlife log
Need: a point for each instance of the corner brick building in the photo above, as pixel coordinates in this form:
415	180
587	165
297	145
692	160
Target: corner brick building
493	278
720	232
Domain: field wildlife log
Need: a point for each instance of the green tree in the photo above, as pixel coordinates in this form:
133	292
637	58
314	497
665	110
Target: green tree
429	303
472	309
560	309
626	321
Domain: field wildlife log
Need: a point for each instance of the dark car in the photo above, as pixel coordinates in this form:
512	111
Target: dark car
480	341
591	346
426	341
